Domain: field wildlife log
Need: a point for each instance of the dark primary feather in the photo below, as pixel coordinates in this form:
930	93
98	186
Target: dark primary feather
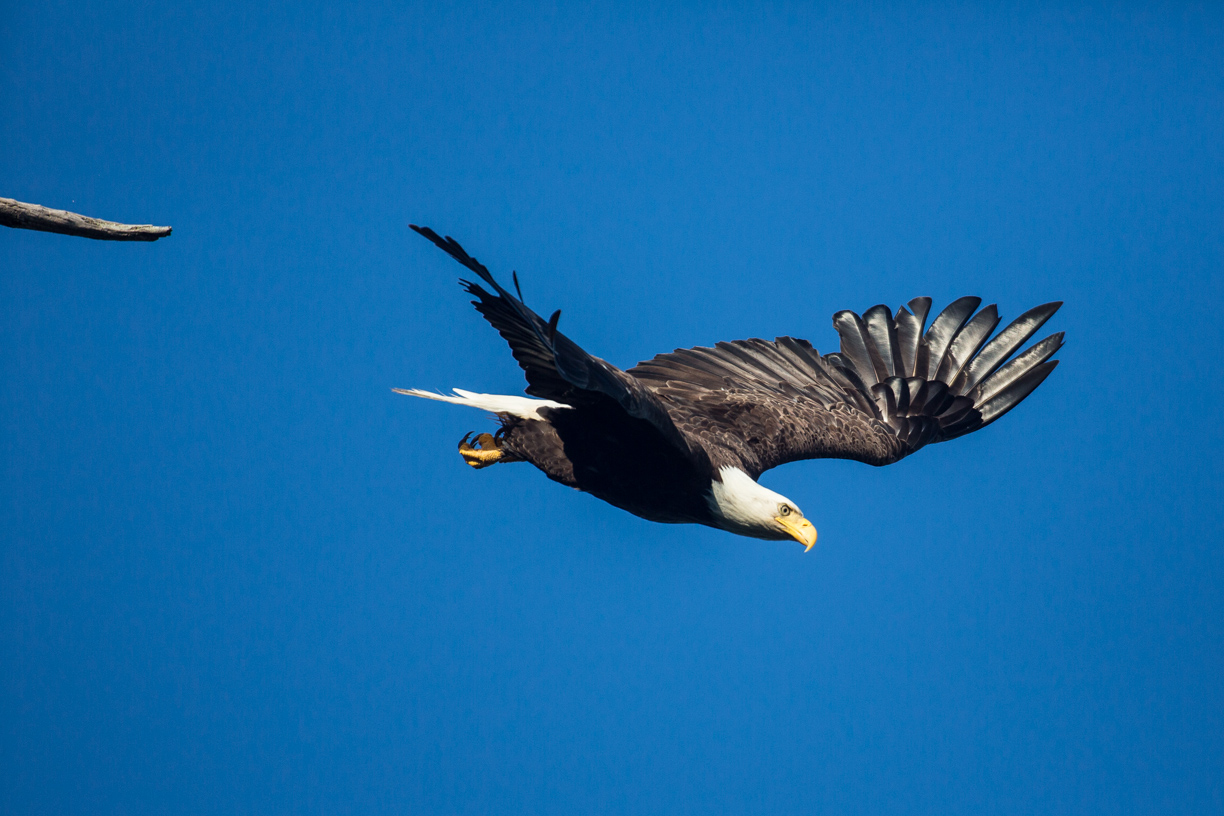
1006	342
882	332
943	329
910	323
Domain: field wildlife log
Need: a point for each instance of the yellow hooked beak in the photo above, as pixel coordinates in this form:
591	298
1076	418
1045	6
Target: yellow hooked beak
800	528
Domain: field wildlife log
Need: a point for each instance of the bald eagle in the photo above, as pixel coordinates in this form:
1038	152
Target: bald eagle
683	437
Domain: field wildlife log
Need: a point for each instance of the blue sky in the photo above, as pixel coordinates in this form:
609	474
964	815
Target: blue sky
241	576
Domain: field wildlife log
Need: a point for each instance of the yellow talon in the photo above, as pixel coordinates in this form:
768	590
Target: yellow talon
483	453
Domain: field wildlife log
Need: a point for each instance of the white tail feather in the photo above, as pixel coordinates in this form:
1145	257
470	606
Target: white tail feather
521	407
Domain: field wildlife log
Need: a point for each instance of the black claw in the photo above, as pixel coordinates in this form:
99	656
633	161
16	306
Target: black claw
465	438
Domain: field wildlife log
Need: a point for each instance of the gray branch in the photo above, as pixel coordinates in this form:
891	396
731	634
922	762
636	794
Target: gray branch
17	215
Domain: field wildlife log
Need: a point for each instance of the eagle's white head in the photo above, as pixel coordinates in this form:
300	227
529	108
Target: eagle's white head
742	506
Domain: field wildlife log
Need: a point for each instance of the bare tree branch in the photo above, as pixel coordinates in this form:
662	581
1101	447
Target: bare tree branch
33	217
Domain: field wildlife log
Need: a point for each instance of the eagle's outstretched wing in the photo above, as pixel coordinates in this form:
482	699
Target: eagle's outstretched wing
556	367
890	390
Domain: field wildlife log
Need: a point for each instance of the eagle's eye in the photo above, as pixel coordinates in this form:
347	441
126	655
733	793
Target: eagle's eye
785	510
